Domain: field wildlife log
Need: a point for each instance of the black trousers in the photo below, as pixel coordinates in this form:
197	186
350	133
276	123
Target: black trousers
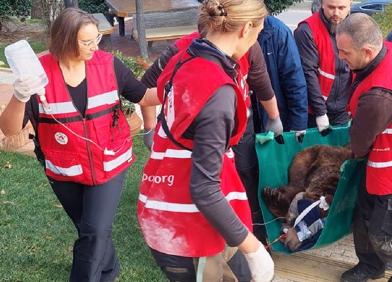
372	231
92	210
247	165
248	169
183	269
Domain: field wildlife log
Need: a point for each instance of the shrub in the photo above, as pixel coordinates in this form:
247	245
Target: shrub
19	8
277	6
93	6
138	66
384	20
22	8
5	8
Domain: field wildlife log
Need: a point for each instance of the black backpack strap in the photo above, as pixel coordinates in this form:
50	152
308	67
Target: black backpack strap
161	116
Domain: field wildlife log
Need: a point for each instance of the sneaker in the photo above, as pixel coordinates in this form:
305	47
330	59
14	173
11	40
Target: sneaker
360	273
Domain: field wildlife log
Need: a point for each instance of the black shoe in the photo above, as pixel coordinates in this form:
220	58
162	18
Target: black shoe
360	273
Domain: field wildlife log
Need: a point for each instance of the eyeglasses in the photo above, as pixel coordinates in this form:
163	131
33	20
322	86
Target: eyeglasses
89	43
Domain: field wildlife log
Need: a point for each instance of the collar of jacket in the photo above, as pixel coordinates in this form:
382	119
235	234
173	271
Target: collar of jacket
372	65
268	30
206	49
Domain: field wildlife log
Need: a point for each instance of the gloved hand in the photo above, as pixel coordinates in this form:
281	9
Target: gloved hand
148	138
292	241
25	87
274	125
322	123
299	135
260	264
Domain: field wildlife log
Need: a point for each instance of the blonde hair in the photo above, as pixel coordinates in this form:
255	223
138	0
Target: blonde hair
229	15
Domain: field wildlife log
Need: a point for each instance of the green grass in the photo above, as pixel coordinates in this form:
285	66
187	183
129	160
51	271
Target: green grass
384	20
36	236
38	46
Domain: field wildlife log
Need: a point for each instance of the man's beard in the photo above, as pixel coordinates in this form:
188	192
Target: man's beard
333	28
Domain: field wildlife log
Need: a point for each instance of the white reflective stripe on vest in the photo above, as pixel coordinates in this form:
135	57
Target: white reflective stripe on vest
185	208
387	131
171	153
66	171
325	74
59	108
110	165
379	164
107	98
230	153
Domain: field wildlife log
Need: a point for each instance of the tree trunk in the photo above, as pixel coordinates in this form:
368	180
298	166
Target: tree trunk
71	3
36	10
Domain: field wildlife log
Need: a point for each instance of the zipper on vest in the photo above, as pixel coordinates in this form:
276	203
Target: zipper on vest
90	156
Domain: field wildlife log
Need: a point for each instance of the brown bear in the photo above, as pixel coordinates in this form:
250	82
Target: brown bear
314	171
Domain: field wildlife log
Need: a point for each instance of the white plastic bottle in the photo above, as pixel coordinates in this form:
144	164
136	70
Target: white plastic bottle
24	62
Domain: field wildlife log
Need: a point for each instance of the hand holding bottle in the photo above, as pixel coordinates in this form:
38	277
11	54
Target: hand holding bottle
25	87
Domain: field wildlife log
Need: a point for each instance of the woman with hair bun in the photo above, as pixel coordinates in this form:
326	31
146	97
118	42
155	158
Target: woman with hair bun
192	209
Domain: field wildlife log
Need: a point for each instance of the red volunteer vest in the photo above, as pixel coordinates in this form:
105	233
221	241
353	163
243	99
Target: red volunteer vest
379	165
170	221
184	42
89	150
322	39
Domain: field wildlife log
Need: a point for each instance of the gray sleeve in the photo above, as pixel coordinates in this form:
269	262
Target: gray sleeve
372	117
212	130
310	64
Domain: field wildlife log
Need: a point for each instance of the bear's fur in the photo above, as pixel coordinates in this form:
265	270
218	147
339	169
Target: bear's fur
314	171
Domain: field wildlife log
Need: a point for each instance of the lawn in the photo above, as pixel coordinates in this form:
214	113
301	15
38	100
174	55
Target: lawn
37	237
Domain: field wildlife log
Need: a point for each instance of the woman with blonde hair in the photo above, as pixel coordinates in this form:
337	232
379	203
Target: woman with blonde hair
192	209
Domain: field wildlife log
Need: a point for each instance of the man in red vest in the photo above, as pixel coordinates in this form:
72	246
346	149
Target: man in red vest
327	77
360	44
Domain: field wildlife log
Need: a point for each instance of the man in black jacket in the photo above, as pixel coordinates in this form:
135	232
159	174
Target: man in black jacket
361	45
327	77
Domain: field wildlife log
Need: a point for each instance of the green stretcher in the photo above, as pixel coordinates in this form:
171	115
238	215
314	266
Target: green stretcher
274	160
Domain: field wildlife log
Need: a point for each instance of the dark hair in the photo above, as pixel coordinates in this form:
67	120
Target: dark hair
64	32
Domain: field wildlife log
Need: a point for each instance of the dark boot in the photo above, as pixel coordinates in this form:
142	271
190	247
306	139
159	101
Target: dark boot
360	273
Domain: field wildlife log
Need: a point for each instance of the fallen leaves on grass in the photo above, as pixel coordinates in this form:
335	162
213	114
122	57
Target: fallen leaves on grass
7	165
9	203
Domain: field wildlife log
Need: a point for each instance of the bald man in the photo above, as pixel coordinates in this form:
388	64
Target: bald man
361	45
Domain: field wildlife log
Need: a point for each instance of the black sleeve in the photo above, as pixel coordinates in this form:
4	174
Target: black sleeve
31	113
128	86
258	78
310	64
372	117
151	75
212	130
